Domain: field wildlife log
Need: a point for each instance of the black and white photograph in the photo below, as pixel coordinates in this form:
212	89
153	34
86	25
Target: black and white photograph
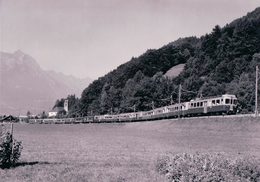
129	91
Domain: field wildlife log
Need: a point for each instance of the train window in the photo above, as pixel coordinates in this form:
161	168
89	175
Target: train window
213	102
227	101
218	102
201	104
235	101
198	104
191	104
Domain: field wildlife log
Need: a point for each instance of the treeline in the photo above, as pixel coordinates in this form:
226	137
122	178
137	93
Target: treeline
220	62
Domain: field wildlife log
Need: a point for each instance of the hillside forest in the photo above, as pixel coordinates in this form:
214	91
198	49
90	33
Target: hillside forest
220	62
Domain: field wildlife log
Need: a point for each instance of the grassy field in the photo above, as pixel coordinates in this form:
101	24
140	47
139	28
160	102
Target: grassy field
124	152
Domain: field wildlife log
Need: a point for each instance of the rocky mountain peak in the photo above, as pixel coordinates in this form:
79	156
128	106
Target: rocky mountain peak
24	85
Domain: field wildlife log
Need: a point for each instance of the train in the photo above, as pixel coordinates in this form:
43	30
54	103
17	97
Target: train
217	105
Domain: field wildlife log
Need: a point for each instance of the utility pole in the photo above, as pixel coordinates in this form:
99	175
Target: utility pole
134	108
179	101
171	100
256	92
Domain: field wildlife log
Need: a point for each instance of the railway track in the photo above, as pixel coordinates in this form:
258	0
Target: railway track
86	120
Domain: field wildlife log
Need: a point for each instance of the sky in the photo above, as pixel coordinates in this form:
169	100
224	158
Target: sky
89	38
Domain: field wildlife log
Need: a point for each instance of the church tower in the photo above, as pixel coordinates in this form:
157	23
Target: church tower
66	106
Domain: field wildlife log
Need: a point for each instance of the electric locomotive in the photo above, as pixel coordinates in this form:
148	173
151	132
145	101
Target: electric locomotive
224	104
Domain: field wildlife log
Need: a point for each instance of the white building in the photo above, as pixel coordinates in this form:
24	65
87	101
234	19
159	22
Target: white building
56	111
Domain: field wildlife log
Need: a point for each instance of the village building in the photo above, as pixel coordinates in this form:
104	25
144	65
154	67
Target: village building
59	111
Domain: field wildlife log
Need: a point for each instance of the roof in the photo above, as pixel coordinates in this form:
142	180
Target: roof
213	97
8	118
58	109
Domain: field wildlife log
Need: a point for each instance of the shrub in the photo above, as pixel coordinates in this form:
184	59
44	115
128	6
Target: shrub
10	151
208	167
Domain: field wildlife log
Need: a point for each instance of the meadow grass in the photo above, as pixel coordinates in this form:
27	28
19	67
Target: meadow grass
204	167
124	152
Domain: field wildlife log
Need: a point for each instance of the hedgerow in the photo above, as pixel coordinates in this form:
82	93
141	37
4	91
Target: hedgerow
208	167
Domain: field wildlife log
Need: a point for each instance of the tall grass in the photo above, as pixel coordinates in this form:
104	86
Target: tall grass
10	151
124	152
208	167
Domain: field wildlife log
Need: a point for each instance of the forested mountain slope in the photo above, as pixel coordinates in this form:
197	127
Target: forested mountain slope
220	62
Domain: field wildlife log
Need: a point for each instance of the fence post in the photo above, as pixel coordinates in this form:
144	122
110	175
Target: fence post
12	131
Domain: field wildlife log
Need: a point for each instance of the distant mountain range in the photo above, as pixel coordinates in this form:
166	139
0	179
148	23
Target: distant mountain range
25	86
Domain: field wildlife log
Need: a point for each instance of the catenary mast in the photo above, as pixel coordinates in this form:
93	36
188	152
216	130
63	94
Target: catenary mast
256	92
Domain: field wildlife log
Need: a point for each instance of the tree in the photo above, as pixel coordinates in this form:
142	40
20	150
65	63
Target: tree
105	101
29	114
44	115
213	63
212	88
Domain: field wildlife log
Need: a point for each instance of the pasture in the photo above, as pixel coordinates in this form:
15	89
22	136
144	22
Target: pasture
124	151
